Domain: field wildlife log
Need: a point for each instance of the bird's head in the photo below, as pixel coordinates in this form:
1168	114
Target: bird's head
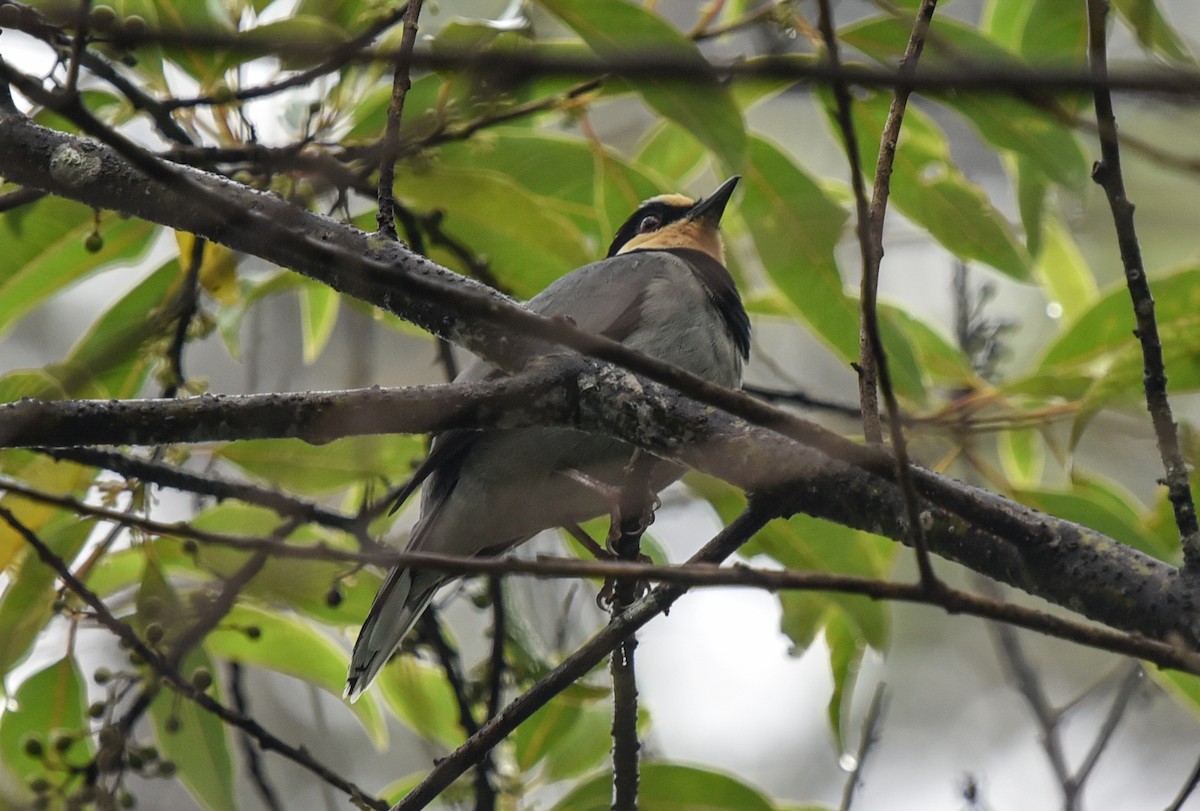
676	221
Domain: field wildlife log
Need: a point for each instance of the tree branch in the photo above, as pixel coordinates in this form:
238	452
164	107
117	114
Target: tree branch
390	151
1107	173
1055	559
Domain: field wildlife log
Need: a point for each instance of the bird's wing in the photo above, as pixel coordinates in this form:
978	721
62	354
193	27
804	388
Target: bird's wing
604	297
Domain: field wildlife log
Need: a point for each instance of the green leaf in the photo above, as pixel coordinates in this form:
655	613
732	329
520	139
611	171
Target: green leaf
315	469
1153	30
53	700
1022	455
199	746
418	694
1184	687
669	787
846	650
1123	378
345	14
318	316
43	249
1032	187
526	241
796	227
1004	20
933	354
1034	134
1054	33
582	178
1107	326
929	189
47	475
671	150
112	358
26	602
312	36
1103	506
620	30
568	736
289	645
747	94
1062	271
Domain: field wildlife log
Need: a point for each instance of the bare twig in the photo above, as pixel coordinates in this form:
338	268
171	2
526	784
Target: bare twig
499	637
1107	173
634	514
1125	691
870	736
188	305
1026	680
254	764
871	243
78	46
803	399
19	197
431	633
165	475
870	353
401	82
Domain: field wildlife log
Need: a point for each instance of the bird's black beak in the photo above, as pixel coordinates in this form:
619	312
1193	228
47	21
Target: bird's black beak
712	207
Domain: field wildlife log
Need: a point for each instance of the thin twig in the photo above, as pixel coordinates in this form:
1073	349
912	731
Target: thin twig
188	305
1026	680
19	197
165	475
634	514
1125	691
870	736
496	664
401	82
430	628
868	376
1107	173
254	764
78	46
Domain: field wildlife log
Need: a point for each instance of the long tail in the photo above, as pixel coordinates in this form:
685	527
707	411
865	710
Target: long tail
399	603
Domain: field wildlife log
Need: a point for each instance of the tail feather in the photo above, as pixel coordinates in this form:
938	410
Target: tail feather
397	607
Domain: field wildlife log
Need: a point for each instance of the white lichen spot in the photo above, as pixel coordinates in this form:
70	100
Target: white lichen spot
74	166
926	518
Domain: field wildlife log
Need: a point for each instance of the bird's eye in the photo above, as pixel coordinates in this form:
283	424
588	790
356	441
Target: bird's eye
649	223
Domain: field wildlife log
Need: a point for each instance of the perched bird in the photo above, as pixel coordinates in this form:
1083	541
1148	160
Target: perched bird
663	290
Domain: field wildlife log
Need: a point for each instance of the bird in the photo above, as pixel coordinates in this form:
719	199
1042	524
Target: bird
664	290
